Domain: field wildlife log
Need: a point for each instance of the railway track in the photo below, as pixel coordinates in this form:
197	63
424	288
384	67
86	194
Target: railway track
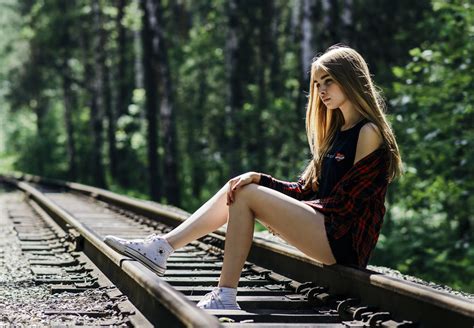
279	285
45	282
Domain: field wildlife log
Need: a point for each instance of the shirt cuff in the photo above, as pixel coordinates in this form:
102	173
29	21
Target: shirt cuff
265	179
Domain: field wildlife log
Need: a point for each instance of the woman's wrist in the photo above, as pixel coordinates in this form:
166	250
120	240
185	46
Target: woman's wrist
256	177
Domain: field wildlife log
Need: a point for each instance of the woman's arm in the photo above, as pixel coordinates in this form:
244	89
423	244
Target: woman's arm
292	189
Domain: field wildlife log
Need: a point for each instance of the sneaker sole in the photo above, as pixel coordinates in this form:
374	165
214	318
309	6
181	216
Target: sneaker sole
220	308
160	271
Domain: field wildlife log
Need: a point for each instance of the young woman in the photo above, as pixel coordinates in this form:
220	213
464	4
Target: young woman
333	213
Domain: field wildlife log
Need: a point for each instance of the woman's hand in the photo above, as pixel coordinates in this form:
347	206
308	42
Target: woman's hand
239	182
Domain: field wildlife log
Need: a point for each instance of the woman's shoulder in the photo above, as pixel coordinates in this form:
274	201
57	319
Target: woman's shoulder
370	139
370	132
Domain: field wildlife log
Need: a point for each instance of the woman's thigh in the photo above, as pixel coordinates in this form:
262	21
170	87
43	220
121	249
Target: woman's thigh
296	222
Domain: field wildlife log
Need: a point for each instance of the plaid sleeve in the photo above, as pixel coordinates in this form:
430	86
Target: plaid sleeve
292	189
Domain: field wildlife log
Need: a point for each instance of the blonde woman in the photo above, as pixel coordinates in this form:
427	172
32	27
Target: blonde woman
333	213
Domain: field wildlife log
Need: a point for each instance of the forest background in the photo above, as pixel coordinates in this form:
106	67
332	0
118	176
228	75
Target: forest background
167	100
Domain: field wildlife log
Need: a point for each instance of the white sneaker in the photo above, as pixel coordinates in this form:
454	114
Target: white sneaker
215	301
153	251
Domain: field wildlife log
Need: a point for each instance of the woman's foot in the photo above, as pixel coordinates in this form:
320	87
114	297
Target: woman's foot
153	251
220	298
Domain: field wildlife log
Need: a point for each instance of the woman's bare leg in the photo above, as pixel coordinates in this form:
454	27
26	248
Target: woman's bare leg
238	240
297	223
208	218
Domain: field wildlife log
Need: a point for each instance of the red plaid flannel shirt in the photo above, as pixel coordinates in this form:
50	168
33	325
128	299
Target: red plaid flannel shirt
355	204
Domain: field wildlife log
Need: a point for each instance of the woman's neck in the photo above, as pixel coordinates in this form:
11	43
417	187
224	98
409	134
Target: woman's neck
351	117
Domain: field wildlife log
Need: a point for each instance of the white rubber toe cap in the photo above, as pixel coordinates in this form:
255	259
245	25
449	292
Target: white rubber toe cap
116	243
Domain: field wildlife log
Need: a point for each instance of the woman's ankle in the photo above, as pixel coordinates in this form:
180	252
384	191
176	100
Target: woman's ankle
170	241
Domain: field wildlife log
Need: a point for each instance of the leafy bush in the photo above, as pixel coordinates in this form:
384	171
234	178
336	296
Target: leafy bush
432	228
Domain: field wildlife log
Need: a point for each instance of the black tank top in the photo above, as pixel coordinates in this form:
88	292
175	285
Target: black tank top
339	159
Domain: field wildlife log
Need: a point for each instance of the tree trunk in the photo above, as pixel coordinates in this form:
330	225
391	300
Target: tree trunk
234	90
104	90
195	142
307	49
266	43
326	19
300	26
182	19
138	51
306	52
155	185
167	110
139	75
68	96
347	21
97	102
276	81
122	90
295	24
111	119
68	108
41	112
331	22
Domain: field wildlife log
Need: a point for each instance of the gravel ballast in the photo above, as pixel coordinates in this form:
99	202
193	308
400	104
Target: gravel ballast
24	303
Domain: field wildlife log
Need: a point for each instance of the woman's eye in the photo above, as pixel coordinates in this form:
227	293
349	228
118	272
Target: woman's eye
328	81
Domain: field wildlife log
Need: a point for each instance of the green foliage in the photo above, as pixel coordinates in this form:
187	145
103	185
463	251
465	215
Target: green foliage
131	147
429	225
42	155
433	223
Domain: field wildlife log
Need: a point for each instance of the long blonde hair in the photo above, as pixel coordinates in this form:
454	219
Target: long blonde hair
350	71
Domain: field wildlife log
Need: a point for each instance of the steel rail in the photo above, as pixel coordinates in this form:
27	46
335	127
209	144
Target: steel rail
154	297
405	299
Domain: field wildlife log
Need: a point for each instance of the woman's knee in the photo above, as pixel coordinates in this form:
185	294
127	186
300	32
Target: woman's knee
247	196
246	192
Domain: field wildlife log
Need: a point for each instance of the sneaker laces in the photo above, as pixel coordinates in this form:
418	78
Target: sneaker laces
148	239
151	237
212	296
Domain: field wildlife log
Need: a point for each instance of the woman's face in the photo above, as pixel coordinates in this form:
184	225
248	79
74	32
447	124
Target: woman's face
329	91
